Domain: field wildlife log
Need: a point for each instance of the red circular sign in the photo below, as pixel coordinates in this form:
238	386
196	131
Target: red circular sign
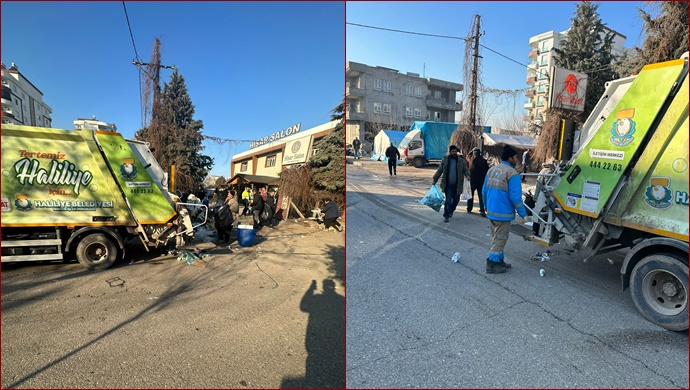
571	83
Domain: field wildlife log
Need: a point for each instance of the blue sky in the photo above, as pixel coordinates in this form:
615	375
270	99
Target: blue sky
251	69
507	27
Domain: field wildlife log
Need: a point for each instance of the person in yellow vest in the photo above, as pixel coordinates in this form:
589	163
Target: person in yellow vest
245	201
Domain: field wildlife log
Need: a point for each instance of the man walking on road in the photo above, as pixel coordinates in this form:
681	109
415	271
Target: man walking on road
356	144
393	155
526	161
452	171
478	169
503	194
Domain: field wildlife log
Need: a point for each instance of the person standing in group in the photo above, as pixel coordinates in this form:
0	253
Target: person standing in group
478	169
257	206
503	196
356	144
270	205
245	201
452	171
393	155
226	216
526	161
331	214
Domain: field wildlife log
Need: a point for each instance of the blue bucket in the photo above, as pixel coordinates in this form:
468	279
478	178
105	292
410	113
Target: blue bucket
245	237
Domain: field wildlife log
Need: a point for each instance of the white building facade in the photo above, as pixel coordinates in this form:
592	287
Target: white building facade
542	53
22	102
385	98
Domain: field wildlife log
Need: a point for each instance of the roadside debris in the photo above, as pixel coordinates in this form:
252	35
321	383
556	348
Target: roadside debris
456	257
541	272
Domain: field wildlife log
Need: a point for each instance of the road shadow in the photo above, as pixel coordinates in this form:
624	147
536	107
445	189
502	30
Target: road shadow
325	339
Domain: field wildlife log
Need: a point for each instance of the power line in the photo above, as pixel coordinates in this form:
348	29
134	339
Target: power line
130	31
437	36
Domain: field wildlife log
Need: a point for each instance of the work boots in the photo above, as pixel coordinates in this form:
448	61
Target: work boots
493	267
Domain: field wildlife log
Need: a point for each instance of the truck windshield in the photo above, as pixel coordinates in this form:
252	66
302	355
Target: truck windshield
416	144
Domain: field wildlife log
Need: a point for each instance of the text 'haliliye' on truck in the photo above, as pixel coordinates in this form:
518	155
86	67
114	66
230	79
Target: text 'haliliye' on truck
626	186
83	193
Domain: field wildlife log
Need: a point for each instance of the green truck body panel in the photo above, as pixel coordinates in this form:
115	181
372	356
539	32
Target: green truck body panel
53	177
655	199
623	136
145	198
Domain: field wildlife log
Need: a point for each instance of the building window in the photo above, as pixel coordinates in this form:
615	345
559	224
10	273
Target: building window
418	91
387	86
271	161
408	112
437	94
243	167
378	84
410	90
386	108
544	60
377	108
540	101
542	74
417	112
347	106
437	116
428	115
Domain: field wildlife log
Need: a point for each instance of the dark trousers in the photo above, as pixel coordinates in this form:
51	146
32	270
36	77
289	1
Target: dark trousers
452	199
392	165
223	234
257	218
245	202
328	222
475	187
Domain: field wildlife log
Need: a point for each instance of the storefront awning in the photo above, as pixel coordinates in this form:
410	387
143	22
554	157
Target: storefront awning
254	179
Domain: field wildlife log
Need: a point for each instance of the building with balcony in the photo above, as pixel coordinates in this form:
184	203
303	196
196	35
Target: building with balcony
22	102
94	124
379	98
541	53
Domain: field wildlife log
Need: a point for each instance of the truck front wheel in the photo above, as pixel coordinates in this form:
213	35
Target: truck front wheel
659	289
96	252
418	162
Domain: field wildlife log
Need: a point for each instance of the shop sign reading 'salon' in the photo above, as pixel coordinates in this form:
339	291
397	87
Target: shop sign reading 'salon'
296	151
276	136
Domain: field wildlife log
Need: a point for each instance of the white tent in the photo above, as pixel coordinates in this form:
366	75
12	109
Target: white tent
384	138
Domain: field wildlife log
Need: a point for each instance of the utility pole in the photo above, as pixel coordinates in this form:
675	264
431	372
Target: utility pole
473	96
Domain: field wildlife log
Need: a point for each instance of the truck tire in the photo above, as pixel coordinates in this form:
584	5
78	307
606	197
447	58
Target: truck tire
659	289
418	162
96	252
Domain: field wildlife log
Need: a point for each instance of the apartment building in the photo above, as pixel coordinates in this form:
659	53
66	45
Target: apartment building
22	102
542	53
379	98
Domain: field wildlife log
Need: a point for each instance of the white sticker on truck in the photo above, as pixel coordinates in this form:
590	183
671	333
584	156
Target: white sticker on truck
607	154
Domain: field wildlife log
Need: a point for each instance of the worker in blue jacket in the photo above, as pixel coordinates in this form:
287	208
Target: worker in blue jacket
502	197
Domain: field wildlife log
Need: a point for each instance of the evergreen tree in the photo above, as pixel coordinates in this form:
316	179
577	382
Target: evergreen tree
328	165
176	136
587	49
666	36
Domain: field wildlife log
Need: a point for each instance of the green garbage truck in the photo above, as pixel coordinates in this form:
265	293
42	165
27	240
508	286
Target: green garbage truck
626	188
84	193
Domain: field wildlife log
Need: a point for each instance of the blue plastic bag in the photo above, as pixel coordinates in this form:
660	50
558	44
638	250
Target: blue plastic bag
434	198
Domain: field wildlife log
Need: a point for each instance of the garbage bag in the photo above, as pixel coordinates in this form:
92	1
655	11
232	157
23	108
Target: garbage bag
434	198
466	191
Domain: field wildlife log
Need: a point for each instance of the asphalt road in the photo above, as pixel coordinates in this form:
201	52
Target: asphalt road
268	316
417	320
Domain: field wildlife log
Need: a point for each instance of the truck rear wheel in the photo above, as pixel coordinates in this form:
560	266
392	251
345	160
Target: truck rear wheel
418	162
96	252
659	289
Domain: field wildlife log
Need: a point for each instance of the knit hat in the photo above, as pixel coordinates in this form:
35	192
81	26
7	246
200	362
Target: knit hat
508	152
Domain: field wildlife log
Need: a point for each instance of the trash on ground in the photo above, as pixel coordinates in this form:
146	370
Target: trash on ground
610	261
541	272
456	257
187	257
